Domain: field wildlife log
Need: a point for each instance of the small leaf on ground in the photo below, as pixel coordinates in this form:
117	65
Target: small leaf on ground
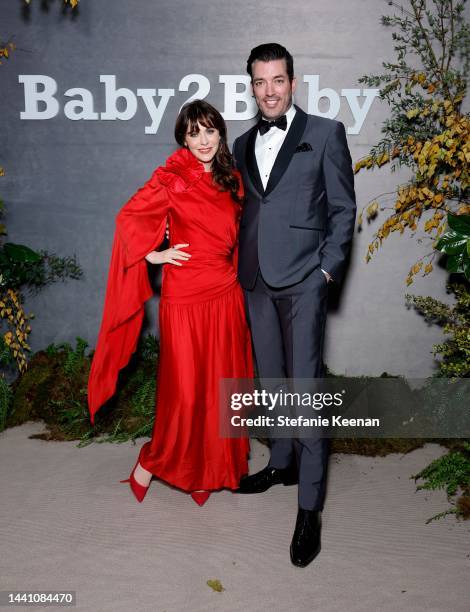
215	585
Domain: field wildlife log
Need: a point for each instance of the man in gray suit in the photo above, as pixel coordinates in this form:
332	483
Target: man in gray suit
295	234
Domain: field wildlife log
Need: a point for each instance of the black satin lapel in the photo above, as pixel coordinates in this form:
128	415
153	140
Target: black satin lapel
288	149
251	164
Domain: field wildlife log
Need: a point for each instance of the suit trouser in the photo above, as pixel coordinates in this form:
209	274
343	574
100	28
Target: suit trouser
288	327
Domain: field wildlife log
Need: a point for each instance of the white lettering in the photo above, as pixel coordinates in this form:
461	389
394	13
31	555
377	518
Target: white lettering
41	101
112	95
155	112
359	112
203	83
340	421
32	96
72	108
315	95
235	97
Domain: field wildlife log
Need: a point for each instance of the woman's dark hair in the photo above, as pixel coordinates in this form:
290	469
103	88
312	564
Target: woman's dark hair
208	116
267	53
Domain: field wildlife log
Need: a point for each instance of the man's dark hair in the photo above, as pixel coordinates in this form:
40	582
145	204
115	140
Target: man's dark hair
267	53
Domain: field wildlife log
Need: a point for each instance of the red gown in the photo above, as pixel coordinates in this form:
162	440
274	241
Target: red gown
203	331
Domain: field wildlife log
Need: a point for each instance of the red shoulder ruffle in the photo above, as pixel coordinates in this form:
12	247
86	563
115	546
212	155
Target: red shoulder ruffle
181	171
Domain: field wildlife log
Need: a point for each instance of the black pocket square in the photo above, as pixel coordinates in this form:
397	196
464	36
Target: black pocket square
304	146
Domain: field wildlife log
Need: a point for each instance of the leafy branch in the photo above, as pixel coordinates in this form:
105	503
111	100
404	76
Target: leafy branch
426	131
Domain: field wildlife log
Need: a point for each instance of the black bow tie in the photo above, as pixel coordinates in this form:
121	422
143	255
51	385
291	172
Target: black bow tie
264	126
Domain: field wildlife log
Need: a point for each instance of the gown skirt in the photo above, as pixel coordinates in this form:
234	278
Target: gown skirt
200	343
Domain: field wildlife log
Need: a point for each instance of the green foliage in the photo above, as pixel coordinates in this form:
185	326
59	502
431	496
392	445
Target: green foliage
68	400
429	36
453	470
71	413
455	243
6	358
54	389
74	359
427	131
450	472
5	402
143	401
455	321
21	266
149	347
139	391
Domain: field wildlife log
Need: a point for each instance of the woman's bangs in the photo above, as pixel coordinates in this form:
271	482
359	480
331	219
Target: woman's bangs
200	118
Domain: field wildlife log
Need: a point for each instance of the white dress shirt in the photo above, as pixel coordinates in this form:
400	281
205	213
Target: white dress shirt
267	147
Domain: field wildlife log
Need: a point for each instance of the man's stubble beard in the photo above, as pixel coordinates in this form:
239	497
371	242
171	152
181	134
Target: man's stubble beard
289	104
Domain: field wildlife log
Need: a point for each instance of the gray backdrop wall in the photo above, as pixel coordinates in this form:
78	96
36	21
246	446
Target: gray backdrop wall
70	167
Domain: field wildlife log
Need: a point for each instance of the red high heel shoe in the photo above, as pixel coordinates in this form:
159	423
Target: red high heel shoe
138	489
200	497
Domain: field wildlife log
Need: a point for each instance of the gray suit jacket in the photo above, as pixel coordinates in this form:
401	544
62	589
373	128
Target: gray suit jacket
305	217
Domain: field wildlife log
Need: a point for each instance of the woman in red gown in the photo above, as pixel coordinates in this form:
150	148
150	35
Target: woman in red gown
203	330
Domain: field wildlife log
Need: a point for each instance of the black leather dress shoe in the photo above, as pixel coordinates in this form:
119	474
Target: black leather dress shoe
305	544
266	478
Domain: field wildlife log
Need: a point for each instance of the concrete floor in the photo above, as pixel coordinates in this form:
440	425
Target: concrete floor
67	523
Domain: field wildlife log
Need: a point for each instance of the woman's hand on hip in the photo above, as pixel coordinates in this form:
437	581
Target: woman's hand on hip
173	255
